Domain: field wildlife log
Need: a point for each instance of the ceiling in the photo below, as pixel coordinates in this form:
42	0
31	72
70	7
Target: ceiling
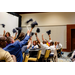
27	12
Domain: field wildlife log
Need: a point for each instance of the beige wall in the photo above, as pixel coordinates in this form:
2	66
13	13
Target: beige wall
55	21
51	18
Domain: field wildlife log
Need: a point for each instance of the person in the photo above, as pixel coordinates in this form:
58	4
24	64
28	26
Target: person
10	40
34	45
44	47
15	48
4	55
45	40
7	34
59	47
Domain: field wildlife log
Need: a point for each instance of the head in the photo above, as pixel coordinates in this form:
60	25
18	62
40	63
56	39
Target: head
10	40
55	43
7	34
52	43
21	36
34	43
3	41
44	42
58	43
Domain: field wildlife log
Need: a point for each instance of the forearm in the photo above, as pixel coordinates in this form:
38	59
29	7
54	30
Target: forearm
38	39
23	42
42	38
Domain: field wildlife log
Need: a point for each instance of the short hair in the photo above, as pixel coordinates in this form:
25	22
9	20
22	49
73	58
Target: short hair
9	39
3	41
52	43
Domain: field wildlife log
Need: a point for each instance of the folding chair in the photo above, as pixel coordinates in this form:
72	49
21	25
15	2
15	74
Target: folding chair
47	52
35	59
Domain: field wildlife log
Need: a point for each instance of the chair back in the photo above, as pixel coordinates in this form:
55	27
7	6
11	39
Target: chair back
38	54
47	52
26	58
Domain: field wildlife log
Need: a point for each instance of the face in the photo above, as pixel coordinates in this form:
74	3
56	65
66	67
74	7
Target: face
7	34
34	42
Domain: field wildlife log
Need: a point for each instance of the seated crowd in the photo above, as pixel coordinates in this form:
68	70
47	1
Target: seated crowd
11	48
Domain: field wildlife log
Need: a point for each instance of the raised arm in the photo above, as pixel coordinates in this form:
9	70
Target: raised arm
15	35
23	42
43	37
49	37
37	38
4	33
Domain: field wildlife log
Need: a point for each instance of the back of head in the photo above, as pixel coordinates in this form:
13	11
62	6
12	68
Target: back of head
3	41
21	36
9	40
44	42
52	43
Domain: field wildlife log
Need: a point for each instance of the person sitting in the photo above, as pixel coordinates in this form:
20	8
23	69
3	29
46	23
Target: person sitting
9	40
4	55
59	47
52	46
7	34
34	45
15	48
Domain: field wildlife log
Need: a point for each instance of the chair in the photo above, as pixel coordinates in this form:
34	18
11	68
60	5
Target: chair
25	57
59	52
47	52
35	59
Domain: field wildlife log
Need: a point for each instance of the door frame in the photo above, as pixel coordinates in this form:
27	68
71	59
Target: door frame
69	27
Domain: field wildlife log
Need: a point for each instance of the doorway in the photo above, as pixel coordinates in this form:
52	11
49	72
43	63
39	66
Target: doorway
72	39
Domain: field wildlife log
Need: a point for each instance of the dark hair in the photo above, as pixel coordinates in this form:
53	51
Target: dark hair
3	42
21	36
52	43
8	34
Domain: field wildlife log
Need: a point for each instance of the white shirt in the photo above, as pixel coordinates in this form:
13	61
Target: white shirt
44	47
36	46
59	46
52	49
50	40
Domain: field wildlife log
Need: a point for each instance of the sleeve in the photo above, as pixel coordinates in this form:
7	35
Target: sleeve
44	46
8	57
23	42
24	48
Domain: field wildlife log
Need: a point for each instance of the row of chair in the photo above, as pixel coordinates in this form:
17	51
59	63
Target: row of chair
26	58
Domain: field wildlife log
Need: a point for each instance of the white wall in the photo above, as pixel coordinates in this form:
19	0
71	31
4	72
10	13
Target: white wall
55	21
10	22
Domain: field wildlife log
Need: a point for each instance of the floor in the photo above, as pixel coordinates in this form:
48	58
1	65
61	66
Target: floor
64	57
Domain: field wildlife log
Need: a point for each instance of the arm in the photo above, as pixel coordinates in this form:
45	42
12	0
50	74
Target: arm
37	37
49	37
23	42
4	33
42	37
15	35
